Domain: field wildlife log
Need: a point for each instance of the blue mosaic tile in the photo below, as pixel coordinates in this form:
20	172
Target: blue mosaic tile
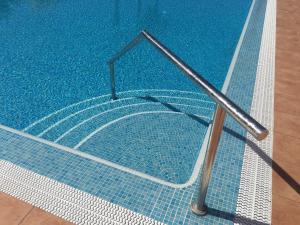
157	201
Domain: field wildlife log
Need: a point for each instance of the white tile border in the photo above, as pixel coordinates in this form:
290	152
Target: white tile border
255	193
64	201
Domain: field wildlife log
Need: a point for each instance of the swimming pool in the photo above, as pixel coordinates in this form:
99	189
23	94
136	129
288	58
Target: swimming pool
82	190
55	80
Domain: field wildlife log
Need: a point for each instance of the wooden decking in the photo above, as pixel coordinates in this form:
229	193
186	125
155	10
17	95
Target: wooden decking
286	151
15	212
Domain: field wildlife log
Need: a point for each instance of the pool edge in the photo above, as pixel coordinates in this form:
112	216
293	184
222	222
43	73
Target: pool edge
256	169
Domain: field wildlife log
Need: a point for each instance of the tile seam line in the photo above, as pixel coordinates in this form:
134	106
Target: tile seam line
59	147
27	214
103	96
102	127
297	114
111	110
287	198
237	50
265	73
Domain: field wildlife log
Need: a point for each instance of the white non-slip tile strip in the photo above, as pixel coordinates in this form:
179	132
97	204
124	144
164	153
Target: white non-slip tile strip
255	194
62	200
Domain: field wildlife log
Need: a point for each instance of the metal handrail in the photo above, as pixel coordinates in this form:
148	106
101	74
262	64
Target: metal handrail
224	105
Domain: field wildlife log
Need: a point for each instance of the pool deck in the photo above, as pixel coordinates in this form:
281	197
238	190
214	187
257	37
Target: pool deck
286	154
286	158
14	211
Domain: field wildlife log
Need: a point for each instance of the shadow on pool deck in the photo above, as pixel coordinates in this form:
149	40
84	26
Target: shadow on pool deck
233	217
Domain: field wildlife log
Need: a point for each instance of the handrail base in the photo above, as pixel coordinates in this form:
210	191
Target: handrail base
198	212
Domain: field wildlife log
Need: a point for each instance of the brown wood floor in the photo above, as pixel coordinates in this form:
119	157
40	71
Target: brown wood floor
15	212
286	152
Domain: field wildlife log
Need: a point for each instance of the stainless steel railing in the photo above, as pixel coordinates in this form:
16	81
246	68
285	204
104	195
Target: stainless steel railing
224	105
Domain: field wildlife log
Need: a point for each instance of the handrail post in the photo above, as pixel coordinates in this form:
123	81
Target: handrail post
112	81
199	206
224	105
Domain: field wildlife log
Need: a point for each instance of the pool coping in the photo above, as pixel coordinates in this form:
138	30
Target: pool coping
255	192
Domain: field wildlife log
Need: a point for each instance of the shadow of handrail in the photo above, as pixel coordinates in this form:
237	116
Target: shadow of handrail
233	217
174	109
275	166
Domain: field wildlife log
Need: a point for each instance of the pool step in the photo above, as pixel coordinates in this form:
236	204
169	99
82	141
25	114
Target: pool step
166	125
102	103
71	137
163	144
58	128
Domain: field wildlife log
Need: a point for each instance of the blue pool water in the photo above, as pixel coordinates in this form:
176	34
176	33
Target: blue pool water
54	52
54	66
160	202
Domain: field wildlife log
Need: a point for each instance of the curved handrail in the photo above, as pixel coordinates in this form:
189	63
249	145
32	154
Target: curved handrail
248	122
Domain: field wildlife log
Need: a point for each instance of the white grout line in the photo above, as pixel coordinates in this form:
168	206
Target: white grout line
114	165
169	205
89	136
103	96
237	50
157	199
107	103
117	108
255	191
187	210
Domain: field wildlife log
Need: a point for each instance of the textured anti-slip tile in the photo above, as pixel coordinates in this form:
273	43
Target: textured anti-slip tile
256	178
12	210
